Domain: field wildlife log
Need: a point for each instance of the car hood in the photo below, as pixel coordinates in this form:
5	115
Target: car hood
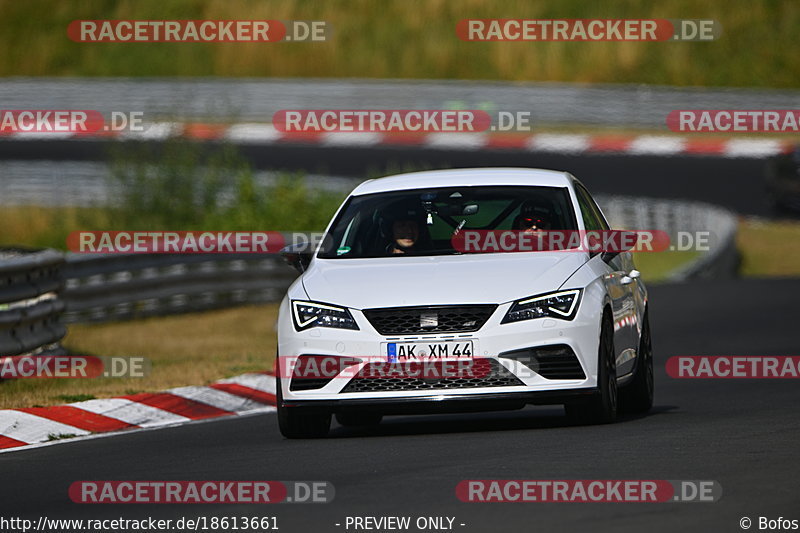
438	280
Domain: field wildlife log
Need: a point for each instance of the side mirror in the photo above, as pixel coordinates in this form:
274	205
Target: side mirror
623	241
608	256
298	256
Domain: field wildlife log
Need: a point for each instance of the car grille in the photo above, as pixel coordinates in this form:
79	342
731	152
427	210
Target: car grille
429	319
551	362
483	373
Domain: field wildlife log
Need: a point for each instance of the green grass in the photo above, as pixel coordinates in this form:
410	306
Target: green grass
72	398
657	266
179	188
413	39
190	349
182	185
48	227
769	248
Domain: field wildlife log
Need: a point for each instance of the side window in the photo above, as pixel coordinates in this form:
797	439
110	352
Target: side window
592	216
590	220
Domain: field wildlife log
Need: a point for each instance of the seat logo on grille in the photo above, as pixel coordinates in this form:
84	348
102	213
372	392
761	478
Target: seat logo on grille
428	320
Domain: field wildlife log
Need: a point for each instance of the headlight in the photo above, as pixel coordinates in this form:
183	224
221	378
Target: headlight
563	304
314	314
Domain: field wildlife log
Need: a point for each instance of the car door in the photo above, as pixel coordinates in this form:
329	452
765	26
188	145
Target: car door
618	284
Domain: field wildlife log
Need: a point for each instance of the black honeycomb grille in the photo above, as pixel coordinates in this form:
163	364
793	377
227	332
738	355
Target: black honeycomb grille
551	362
429	319
482	373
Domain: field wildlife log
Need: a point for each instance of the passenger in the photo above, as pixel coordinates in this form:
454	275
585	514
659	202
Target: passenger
532	222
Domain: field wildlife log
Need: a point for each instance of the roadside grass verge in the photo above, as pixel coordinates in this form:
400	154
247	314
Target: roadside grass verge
35	226
183	186
414	39
191	349
657	266
769	248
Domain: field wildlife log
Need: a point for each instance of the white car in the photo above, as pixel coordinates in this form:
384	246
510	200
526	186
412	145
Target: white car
388	316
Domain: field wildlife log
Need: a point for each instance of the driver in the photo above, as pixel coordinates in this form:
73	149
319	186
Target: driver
405	236
403	226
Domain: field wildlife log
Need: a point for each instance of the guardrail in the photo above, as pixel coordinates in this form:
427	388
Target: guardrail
257	100
682	219
30	308
118	287
102	288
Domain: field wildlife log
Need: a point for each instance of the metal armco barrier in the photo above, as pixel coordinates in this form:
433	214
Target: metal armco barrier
258	99
682	220
30	308
109	287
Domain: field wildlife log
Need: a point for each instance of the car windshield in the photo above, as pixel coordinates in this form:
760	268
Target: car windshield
423	221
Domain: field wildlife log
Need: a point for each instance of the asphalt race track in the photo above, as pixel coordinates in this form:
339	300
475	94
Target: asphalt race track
742	433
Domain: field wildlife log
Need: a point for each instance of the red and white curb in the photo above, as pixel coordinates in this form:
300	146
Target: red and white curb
267	134
244	394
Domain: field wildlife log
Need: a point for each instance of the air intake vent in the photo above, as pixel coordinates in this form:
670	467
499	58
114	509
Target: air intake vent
557	361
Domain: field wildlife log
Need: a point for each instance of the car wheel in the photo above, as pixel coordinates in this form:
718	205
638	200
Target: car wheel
637	397
359	419
602	408
297	423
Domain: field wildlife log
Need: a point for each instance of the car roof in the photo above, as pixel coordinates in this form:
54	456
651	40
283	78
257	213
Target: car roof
465	177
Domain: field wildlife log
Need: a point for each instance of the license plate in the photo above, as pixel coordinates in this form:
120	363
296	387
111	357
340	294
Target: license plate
398	352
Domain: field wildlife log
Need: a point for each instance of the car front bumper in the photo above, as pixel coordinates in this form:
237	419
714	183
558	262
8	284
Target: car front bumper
491	341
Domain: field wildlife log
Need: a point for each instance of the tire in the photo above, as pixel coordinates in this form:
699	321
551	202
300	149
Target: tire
602	408
300	424
350	419
637	396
